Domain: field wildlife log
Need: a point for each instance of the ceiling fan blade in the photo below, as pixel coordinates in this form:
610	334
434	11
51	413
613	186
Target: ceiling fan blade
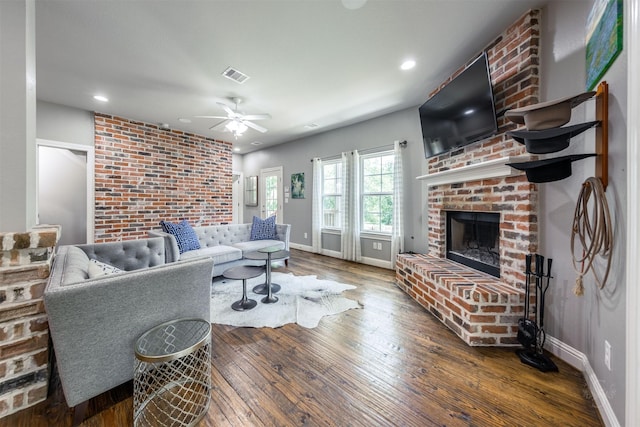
255	126
256	116
220	125
226	108
210	117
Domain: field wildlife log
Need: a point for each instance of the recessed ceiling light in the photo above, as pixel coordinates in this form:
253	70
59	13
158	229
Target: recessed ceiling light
183	120
256	143
237	149
408	64
101	98
311	126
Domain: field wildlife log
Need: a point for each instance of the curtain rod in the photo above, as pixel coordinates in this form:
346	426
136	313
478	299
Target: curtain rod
403	144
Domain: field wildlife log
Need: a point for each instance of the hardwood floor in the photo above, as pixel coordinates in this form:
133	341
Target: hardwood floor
388	364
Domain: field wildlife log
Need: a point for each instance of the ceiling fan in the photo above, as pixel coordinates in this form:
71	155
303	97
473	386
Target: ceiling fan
235	121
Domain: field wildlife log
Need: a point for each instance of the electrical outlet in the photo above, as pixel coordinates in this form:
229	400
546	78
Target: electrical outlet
305	235
607	354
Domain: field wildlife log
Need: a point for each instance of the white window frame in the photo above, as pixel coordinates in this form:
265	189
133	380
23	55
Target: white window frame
338	213
363	232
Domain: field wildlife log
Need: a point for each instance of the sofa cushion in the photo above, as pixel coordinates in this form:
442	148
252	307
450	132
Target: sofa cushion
99	269
254	245
185	236
76	266
220	254
263	229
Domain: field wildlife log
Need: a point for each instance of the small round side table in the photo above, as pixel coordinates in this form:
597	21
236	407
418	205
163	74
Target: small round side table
172	378
243	272
268	288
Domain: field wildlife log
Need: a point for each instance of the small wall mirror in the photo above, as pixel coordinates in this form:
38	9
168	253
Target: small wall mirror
251	191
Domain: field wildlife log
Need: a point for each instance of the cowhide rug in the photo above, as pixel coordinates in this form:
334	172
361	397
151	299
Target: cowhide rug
303	300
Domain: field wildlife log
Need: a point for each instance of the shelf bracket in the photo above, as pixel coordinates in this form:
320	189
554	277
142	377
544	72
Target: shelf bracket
602	134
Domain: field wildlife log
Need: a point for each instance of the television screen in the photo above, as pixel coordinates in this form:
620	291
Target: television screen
461	113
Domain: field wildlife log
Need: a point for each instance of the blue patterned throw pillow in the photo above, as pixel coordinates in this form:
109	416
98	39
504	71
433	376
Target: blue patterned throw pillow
263	229
184	234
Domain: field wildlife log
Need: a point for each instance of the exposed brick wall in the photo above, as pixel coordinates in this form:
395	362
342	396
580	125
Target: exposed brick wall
513	62
144	174
514	66
25	263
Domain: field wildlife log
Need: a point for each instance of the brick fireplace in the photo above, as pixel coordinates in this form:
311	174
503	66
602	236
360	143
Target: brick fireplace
479	308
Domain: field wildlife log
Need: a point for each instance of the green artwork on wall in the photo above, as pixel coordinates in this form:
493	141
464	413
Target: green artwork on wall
604	39
297	185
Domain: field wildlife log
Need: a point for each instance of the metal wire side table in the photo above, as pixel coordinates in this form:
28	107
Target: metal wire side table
172	379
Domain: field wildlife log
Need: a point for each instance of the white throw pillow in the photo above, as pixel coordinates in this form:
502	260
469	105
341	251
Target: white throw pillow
99	269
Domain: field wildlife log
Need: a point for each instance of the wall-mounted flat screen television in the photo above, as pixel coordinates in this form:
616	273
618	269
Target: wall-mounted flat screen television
461	113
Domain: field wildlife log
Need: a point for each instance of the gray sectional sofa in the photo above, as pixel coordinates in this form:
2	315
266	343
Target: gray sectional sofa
94	322
225	244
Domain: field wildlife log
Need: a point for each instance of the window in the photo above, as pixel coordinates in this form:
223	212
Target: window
331	194
377	192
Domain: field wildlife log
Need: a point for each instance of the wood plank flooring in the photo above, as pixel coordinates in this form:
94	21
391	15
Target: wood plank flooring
388	364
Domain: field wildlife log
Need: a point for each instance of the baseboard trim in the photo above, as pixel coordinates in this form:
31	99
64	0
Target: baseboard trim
579	360
305	248
377	262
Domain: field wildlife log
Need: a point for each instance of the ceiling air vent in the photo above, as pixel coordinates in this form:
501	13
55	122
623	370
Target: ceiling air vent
235	75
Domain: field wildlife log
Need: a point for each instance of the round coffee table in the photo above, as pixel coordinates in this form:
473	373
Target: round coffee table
268	288
243	272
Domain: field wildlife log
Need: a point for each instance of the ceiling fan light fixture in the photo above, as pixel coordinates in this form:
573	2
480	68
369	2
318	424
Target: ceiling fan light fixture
236	127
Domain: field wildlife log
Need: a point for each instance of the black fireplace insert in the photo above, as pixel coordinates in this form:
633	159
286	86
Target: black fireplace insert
473	239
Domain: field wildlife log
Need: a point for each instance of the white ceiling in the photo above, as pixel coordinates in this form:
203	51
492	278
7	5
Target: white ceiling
309	61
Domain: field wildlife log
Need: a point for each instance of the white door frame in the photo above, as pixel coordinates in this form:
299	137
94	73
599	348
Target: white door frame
90	153
632	387
238	198
262	190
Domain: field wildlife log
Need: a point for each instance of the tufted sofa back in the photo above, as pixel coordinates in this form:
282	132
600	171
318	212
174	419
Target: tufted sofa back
215	235
128	255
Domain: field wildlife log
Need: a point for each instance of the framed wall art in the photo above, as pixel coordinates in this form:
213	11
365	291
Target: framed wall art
297	185
251	191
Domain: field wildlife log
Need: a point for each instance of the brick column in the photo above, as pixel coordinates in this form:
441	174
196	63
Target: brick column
25	263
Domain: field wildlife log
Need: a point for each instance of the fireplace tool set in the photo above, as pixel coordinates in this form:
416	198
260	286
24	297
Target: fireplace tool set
531	330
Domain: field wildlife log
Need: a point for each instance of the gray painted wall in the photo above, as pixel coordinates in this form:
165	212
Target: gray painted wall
296	157
585	322
65	124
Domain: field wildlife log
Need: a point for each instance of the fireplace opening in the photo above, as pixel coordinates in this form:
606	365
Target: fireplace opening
473	239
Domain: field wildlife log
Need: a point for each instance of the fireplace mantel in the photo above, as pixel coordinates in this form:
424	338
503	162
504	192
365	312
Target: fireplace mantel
494	168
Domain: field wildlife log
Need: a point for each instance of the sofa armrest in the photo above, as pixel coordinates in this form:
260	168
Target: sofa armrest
282	233
171	250
94	323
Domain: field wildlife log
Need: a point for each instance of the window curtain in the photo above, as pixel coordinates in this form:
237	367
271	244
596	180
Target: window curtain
397	233
350	209
316	215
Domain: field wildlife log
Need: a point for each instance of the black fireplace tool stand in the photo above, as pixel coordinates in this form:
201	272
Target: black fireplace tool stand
531	331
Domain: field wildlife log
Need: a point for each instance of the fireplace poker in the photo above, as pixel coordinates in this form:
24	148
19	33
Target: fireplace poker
542	299
526	327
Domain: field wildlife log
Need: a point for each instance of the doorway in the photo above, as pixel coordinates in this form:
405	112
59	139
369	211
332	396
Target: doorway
65	189
271	193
